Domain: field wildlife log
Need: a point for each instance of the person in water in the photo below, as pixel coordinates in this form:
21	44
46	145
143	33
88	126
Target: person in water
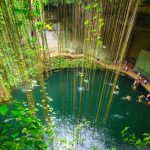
137	81
116	90
148	96
148	103
148	99
128	98
140	98
117	87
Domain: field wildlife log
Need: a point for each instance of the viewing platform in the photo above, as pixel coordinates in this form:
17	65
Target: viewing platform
129	73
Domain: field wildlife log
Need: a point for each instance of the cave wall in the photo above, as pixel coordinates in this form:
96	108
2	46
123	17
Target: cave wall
140	39
140	36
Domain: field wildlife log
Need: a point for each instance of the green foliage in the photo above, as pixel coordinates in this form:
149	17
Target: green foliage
41	26
95	23
18	54
1	21
93	5
132	139
60	2
62	62
49	27
21	130
20	57
3	110
86	22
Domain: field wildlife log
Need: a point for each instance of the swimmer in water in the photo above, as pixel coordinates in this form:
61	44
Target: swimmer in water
148	99
148	103
128	98
116	92
117	87
133	87
148	95
140	98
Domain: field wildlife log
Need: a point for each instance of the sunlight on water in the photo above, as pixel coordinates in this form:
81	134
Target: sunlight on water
81	88
78	137
67	108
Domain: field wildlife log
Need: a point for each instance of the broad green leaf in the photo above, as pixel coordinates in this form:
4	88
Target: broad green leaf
4	137
95	5
24	130
125	140
16	113
87	7
49	27
3	110
8	144
138	142
14	135
86	22
37	13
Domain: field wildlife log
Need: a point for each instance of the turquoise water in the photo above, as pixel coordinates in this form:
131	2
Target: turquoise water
76	100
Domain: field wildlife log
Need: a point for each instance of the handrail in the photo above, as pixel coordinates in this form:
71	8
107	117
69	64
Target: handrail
130	73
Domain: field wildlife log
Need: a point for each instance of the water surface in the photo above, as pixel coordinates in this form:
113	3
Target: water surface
76	100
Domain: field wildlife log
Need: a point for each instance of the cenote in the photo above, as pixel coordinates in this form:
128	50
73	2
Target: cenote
76	101
74	75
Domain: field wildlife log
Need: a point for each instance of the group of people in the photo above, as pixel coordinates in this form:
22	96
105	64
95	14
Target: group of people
127	65
140	80
142	98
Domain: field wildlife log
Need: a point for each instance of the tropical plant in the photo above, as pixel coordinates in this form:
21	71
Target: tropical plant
20	130
132	139
60	2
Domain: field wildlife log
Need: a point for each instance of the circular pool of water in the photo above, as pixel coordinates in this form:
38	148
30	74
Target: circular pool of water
80	104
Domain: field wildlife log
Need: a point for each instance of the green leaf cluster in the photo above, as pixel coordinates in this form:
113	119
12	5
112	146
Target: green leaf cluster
132	139
21	130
